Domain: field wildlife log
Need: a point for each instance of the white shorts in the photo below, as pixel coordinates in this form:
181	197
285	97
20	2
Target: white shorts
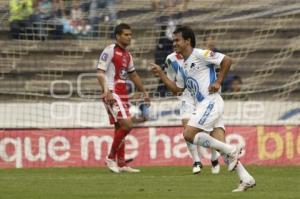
118	110
208	114
187	107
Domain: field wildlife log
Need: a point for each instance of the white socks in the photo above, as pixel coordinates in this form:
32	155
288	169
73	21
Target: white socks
214	155
242	172
205	140
193	151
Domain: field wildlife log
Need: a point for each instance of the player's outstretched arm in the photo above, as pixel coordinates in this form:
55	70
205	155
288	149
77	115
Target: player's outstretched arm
158	72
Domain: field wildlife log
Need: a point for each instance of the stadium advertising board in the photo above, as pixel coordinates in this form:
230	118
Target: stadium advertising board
265	145
161	113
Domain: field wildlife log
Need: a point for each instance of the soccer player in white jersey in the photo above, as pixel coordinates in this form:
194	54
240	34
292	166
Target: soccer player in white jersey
202	83
173	62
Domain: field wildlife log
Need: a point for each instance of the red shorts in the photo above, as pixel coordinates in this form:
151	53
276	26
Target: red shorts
119	110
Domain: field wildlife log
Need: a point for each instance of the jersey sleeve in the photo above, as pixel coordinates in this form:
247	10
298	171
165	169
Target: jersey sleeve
211	56
180	78
171	74
131	65
105	58
175	72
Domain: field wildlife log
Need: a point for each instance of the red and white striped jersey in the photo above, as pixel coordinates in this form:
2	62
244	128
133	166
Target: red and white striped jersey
117	63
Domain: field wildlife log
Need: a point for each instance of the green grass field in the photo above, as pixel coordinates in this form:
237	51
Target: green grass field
152	183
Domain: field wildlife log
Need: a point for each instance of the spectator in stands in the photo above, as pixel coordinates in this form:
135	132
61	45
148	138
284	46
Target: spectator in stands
168	21
232	86
172	14
235	84
45	9
101	10
20	17
232	83
77	22
43	13
59	8
210	43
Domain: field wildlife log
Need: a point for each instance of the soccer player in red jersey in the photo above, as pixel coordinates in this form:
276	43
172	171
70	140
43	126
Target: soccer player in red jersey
115	66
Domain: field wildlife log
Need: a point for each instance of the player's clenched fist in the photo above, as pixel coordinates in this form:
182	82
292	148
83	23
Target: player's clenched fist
214	87
108	98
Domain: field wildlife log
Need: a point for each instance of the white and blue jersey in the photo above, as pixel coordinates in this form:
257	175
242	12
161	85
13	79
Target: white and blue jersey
199	72
174	69
195	74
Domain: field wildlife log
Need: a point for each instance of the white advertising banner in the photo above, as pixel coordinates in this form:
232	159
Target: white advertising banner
62	114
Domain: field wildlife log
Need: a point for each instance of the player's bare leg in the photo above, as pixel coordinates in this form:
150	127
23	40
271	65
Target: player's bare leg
194	152
246	180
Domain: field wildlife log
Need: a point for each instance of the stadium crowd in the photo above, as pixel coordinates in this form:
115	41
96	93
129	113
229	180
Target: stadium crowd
33	18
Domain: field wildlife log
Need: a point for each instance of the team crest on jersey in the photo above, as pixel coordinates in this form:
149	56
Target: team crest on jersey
123	73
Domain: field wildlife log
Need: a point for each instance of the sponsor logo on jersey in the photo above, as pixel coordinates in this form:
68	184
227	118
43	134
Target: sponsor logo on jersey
192	85
193	88
123	73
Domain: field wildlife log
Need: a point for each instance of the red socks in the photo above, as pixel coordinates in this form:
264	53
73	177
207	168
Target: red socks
121	154
118	147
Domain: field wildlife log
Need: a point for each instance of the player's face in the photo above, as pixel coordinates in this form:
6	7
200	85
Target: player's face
125	37
179	43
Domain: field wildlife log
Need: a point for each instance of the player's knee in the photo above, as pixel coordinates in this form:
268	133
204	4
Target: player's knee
127	125
219	134
188	136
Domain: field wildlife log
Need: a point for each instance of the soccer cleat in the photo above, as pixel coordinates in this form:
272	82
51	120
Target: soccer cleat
112	165
234	158
129	169
197	167
243	186
215	167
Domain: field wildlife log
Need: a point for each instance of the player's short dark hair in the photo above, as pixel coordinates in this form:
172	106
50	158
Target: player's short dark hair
187	33
119	28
